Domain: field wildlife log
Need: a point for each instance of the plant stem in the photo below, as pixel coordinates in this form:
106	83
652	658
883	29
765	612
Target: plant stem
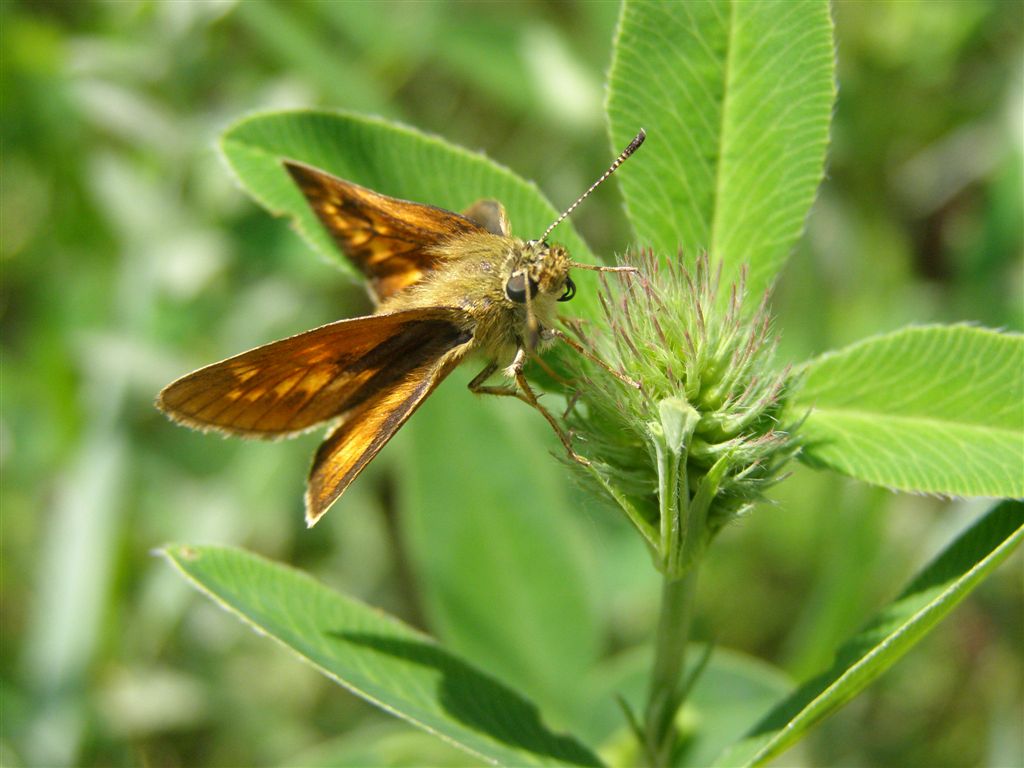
666	675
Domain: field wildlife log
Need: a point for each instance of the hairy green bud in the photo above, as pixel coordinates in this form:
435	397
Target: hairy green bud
696	443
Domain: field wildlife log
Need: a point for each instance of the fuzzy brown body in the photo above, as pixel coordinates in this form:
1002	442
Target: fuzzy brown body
471	273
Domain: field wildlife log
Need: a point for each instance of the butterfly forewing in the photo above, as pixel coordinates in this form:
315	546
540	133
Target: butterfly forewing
388	239
296	383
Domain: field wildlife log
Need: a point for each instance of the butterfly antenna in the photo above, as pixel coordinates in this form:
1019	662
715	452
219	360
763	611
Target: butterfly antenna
634	145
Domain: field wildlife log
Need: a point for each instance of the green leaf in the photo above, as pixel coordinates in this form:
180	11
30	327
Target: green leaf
935	409
928	598
378	658
497	544
736	98
387	744
386	157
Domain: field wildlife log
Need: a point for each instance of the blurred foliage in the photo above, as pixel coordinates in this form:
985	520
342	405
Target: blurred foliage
129	257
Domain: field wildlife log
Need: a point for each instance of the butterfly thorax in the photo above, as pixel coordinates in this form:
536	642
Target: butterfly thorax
487	276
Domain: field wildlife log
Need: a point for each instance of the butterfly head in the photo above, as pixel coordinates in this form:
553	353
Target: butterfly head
539	270
542	270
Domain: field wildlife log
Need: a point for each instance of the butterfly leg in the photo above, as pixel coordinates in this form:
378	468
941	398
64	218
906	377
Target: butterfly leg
542	363
557	334
477	386
524	392
532	399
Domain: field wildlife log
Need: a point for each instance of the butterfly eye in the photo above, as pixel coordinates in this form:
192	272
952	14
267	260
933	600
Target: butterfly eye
570	290
515	288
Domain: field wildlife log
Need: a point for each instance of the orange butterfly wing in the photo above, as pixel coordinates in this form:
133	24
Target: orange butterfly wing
366	429
293	384
388	239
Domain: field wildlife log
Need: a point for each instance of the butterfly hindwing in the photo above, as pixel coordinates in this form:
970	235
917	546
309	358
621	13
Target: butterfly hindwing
366	429
296	383
490	215
390	240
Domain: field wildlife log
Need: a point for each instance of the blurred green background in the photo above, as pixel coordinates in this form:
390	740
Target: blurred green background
129	257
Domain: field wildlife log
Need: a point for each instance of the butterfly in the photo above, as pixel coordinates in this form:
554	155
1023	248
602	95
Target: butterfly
447	286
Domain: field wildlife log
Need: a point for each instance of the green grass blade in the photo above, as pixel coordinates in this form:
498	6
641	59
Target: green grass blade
935	409
378	658
736	98
926	600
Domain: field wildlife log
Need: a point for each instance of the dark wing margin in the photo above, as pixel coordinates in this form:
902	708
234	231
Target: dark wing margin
291	385
388	239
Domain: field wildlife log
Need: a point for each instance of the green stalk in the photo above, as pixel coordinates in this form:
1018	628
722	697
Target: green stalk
669	661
